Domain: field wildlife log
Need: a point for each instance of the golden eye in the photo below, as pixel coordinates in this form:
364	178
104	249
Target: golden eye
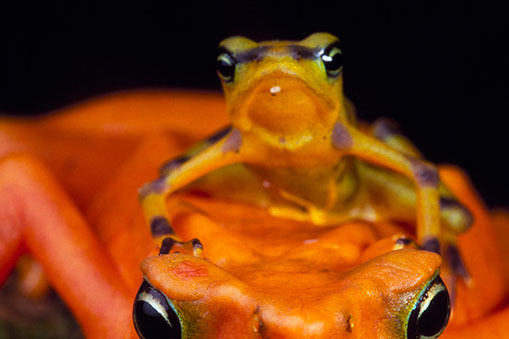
332	58
225	65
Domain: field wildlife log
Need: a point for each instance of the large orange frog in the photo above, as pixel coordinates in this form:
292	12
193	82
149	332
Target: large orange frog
263	269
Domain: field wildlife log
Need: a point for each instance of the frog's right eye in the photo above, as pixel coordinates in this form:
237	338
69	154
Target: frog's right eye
332	58
431	312
225	65
153	316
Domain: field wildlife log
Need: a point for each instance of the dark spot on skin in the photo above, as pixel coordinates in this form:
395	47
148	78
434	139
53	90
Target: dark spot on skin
160	226
431	244
384	128
233	142
172	164
340	137
253	54
349	323
260	328
166	246
282	140
453	257
295	51
300	52
157	186
451	203
426	174
219	135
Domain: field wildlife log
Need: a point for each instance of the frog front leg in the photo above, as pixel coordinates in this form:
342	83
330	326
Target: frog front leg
37	215
349	140
175	175
455	217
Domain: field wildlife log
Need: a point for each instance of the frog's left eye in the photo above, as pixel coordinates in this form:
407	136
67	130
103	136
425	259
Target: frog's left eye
332	58
225	65
153	316
431	312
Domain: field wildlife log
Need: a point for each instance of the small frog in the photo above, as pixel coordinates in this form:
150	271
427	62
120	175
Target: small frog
294	132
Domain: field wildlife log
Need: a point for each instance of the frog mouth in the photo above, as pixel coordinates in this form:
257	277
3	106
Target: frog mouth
286	105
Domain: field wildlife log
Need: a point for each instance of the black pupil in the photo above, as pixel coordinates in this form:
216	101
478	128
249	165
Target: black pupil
334	62
150	324
433	319
226	66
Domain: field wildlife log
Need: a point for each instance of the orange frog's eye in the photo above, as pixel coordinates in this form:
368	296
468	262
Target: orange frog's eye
154	315
332	58
225	65
430	313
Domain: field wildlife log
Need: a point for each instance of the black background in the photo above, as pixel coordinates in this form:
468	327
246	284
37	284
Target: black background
439	69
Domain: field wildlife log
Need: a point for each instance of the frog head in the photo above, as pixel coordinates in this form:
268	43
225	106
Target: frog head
283	90
395	295
266	277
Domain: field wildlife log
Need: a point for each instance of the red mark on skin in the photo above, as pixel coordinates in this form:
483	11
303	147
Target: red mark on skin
189	269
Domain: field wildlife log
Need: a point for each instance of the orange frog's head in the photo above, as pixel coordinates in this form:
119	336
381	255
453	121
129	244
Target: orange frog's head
291	90
394	295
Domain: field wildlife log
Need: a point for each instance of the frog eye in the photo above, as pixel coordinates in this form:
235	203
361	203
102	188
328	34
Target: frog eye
153	316
431	312
332	58
225	65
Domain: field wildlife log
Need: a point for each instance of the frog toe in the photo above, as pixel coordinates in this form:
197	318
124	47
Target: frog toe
405	242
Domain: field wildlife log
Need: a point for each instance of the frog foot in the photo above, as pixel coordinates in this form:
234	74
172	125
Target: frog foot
193	246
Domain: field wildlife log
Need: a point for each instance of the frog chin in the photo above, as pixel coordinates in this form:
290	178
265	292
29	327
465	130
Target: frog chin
285	107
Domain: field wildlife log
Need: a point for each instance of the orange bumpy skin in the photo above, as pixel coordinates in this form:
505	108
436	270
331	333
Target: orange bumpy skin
260	276
293	281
